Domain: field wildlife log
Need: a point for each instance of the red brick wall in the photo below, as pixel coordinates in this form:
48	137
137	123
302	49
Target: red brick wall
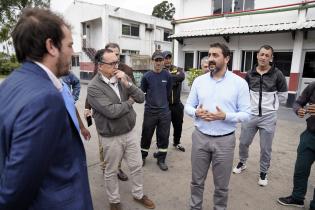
86	66
239	73
294	81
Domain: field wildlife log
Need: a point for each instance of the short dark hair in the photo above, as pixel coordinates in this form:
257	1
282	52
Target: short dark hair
112	45
98	55
223	47
33	28
99	58
267	47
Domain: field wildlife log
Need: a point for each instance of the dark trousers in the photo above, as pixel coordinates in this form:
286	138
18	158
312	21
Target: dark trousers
177	114
305	159
160	121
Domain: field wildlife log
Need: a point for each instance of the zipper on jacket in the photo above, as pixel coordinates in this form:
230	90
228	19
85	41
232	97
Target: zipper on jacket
260	95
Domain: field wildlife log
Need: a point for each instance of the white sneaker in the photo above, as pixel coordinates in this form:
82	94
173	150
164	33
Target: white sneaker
239	168
263	181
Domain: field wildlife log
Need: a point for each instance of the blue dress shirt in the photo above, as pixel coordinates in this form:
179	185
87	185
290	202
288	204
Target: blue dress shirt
69	102
230	93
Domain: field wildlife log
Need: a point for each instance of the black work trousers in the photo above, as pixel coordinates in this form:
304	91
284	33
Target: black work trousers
160	121
177	115
305	159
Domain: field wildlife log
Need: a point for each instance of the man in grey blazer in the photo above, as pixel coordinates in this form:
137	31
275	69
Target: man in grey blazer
111	95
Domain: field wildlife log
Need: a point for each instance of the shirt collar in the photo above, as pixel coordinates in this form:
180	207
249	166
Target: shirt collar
222	78
112	80
51	76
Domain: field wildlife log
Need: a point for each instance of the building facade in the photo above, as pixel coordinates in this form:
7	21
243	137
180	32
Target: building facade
138	35
244	25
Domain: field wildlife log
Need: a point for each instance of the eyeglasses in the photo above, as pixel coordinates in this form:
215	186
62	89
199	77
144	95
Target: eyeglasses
115	63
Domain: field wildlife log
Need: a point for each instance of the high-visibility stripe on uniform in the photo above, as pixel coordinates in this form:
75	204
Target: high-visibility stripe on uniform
145	150
162	150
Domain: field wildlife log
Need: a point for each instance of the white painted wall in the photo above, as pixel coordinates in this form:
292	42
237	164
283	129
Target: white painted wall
189	8
196	8
279	41
78	13
96	34
105	23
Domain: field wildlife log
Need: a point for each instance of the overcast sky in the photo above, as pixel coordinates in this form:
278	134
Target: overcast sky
142	6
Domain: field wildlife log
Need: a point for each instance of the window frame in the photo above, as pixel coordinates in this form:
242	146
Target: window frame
253	57
305	75
165	39
281	69
130	52
75	60
232	6
130	27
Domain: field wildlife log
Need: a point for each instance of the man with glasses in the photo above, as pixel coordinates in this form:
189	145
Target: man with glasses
128	71
112	95
121	66
157	85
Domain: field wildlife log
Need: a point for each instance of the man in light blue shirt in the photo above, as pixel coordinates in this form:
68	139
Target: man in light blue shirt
217	101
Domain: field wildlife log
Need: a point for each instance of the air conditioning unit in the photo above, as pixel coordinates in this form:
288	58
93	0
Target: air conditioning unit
149	27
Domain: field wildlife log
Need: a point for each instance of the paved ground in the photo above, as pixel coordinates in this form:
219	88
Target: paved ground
171	190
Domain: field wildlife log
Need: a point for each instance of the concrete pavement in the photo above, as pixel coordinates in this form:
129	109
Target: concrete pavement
170	190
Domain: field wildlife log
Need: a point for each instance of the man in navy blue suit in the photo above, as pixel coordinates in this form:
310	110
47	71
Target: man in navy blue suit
42	158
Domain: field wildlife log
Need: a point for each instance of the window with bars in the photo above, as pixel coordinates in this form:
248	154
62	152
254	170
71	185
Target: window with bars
309	65
130	30
166	35
205	54
225	6
75	61
249	59
282	60
130	52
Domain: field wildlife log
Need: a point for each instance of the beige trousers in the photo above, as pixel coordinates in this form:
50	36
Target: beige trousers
124	147
101	153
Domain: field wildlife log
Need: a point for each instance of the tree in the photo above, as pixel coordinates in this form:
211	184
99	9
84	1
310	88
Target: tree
7	63
164	10
11	9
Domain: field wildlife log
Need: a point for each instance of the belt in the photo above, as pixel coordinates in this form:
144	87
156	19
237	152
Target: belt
215	136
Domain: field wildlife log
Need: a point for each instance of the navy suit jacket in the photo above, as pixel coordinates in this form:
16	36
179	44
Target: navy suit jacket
42	158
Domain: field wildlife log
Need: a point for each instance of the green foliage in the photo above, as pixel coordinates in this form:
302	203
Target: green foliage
7	63
193	74
10	10
164	10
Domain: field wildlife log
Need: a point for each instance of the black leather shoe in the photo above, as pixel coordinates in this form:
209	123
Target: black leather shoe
121	175
290	201
162	165
179	147
115	206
